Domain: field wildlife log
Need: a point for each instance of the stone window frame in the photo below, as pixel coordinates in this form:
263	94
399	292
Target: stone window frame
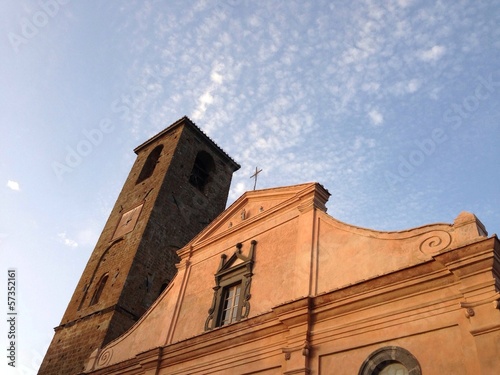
234	302
382	357
100	287
203	168
229	274
150	164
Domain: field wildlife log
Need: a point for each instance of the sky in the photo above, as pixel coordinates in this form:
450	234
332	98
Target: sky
393	108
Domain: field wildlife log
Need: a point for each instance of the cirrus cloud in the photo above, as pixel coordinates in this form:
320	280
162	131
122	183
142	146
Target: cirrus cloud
432	54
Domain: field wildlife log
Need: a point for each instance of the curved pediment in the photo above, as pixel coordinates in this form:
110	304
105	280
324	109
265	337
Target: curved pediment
431	238
348	254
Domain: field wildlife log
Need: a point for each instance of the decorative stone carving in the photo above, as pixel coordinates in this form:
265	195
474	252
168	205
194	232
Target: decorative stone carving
228	273
105	357
434	242
304	350
469	312
491	298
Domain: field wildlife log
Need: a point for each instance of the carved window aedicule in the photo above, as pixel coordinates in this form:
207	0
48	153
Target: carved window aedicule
231	300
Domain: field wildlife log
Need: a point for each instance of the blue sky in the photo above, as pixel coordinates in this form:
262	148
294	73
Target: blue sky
393	108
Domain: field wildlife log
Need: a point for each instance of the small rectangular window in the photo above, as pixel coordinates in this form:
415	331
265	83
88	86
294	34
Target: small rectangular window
230	311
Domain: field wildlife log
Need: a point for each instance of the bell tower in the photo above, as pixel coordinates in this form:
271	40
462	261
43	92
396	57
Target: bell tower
178	184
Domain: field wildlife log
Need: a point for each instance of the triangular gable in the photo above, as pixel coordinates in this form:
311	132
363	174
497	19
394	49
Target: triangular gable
258	204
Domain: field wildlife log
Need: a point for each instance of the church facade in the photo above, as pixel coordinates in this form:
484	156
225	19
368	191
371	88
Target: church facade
275	285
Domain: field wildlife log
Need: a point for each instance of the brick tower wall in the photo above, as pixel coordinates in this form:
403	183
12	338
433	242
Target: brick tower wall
141	262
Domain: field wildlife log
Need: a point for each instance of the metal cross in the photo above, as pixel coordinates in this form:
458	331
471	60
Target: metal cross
257	171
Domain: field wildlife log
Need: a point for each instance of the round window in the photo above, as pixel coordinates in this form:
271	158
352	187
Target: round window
393	369
390	360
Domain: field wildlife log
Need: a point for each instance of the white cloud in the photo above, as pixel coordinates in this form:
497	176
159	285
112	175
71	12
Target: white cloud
405	87
362	142
13	185
413	85
203	102
216	77
66	241
207	98
404	3
237	191
376	117
433	54
370	86
309	75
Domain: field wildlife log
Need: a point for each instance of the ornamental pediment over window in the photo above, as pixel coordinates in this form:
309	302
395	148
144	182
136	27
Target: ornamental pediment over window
231	300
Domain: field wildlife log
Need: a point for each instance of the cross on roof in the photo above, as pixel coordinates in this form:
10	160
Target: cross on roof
257	171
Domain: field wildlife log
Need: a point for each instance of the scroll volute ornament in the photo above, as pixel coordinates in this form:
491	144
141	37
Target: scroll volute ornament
434	242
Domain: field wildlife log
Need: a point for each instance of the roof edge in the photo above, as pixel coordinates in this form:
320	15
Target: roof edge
186	121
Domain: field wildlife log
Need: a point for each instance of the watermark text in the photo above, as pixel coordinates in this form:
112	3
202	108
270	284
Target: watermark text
11	317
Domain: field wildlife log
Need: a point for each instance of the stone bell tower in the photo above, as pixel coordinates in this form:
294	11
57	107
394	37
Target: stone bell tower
178	184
